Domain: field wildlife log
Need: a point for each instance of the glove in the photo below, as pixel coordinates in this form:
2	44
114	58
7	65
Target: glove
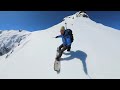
56	37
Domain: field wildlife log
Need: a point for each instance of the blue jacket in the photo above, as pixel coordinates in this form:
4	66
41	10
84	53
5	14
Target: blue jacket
65	39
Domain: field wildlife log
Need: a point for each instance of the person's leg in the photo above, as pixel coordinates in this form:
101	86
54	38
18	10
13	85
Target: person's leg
61	52
59	48
69	48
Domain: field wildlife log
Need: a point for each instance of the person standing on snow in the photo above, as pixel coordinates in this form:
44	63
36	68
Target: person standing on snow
67	39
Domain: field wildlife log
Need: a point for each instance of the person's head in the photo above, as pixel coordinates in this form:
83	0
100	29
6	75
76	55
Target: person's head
62	30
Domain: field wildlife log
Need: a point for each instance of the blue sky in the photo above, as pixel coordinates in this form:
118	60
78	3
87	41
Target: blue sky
108	18
38	20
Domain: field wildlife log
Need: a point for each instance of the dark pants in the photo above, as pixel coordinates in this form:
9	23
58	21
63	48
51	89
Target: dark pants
61	49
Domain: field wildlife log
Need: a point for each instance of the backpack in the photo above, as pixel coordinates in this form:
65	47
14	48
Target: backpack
69	32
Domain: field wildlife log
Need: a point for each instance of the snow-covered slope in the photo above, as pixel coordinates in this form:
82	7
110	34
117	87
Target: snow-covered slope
11	39
94	54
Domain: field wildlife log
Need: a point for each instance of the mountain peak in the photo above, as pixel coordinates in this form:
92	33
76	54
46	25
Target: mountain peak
77	15
82	14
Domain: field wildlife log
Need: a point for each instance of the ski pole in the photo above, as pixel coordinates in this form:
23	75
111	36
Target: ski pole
66	25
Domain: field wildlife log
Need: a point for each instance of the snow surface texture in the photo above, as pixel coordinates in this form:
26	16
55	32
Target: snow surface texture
94	53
